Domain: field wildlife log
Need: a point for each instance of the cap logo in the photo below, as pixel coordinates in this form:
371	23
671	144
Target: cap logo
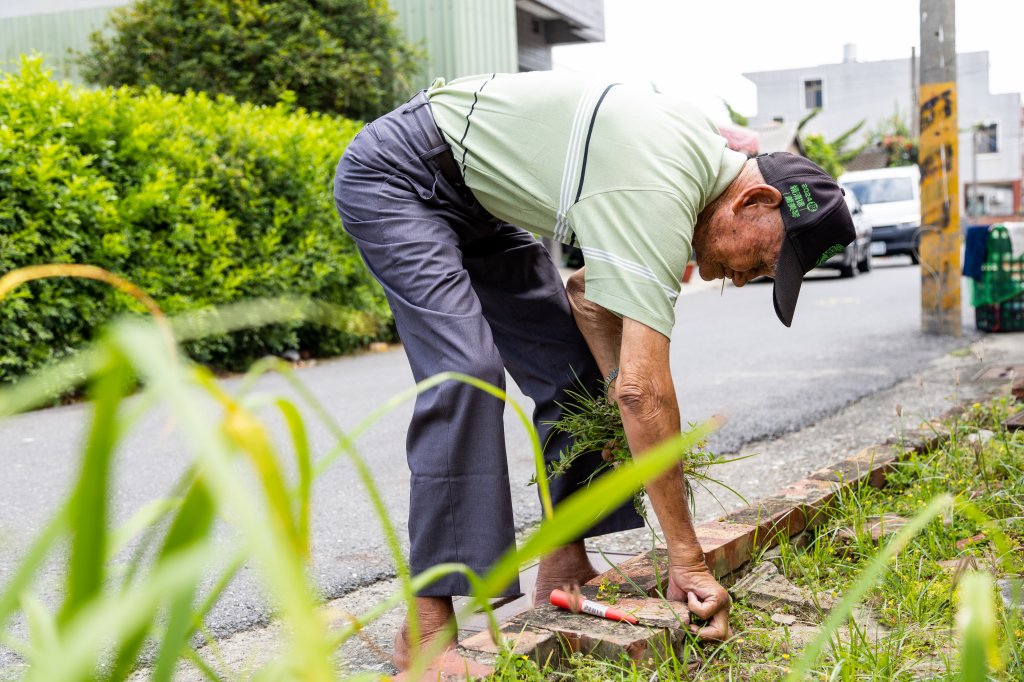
832	250
799	199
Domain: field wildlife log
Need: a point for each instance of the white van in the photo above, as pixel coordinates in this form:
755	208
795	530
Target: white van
891	199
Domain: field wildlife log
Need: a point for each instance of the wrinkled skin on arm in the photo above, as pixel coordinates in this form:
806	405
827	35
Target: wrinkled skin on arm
650	414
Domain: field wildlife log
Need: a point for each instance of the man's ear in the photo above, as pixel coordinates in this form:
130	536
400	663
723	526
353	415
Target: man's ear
757	194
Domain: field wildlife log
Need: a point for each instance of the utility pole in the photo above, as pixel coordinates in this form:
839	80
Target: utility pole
939	162
914	73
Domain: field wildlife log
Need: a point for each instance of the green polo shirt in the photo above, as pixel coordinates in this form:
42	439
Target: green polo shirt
622	168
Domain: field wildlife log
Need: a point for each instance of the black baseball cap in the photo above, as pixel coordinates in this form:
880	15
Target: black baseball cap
817	223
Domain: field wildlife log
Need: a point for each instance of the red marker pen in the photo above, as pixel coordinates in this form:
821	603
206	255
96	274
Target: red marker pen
563	601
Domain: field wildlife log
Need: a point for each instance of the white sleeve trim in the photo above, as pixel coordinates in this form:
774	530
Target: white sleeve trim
633	267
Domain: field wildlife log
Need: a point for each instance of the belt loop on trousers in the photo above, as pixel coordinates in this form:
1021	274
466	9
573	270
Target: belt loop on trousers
419	107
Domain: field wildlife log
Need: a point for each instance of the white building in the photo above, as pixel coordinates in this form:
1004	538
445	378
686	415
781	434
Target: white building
991	146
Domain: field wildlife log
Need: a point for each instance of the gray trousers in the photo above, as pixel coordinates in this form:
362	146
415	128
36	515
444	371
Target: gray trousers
469	294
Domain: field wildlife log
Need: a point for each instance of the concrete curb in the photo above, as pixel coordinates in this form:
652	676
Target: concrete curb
544	633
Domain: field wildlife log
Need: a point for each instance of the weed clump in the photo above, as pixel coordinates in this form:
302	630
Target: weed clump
595	425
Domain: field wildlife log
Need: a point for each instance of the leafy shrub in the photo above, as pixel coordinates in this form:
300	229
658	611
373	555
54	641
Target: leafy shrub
336	56
197	201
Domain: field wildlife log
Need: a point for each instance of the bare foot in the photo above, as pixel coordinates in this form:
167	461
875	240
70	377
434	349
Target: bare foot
449	666
566	567
436	621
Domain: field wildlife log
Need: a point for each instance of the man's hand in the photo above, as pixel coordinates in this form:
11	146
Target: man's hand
705	598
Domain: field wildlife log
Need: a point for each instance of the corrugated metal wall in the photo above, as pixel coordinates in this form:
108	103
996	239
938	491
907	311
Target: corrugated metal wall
53	35
461	37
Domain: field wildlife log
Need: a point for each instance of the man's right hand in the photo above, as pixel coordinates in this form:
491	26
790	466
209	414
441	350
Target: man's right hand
704	597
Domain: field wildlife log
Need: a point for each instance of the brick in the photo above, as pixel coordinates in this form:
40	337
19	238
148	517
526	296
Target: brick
638	571
767	590
870	465
727	546
881	459
644	643
771	517
1018	387
811	496
526	640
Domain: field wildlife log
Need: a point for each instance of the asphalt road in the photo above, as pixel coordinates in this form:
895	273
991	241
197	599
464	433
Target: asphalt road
730	355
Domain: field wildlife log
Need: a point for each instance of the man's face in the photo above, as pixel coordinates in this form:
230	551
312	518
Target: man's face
743	246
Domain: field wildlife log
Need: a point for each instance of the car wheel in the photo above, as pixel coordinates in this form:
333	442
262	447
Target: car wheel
848	270
865	265
915	257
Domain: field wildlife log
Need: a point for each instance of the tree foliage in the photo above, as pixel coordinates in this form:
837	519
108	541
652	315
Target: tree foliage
735	116
336	56
832	155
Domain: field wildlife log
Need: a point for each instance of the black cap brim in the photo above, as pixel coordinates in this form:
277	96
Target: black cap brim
789	275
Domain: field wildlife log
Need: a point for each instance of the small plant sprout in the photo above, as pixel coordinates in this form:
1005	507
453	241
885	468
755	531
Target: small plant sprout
978	349
899	418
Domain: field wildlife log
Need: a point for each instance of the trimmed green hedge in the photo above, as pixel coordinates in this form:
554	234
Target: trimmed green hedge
198	201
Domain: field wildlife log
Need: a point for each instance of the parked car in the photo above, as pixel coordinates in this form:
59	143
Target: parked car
856	257
891	199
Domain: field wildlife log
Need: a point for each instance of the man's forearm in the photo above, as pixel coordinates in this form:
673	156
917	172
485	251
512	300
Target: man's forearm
650	415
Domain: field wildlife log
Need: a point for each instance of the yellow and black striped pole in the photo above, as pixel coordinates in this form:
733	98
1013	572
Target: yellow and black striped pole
938	158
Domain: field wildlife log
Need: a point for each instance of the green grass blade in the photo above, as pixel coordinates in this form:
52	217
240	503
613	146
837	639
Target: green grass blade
146	517
976	624
249	436
127	653
868	577
31	562
193	521
191	527
89	501
304	464
175	640
42	626
232	567
145	547
202	666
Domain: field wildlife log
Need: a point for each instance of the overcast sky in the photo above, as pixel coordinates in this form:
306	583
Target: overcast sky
700	49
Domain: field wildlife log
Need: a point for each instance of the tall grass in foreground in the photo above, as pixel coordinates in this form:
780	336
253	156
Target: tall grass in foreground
149	608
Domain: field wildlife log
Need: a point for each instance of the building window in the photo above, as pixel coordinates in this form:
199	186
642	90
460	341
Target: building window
985	141
813	94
